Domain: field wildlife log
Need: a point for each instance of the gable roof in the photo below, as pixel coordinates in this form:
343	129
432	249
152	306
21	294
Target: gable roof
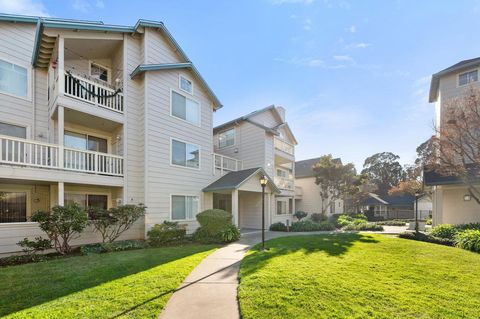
72	24
460	66
403	200
305	168
247	118
234	180
432	178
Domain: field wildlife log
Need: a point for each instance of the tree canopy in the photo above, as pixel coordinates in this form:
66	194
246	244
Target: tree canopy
384	170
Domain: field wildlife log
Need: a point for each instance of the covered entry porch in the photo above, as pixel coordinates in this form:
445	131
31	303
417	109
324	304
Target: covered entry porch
241	194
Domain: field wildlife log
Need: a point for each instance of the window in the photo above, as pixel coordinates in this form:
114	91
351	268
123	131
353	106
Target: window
99	72
226	138
13	79
281	207
468	77
85	142
184	207
13	130
185	108
282	173
186	85
13	207
87	200
184	154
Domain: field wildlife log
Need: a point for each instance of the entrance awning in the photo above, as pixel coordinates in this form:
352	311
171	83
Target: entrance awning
235	180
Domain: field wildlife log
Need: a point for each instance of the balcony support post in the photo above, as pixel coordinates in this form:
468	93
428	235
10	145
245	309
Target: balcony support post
61	65
235	207
60	132
61	193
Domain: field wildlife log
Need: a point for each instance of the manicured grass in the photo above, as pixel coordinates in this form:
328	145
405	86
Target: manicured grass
359	276
130	284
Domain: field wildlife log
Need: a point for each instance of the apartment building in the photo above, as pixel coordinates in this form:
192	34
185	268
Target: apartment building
307	192
101	115
452	203
262	143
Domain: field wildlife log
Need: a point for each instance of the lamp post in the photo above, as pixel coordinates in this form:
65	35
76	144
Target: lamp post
263	183
417	195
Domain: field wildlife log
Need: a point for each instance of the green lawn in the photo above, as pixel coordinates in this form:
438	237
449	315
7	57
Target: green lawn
130	284
359	276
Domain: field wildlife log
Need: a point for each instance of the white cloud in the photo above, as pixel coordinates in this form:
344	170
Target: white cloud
25	7
311	62
360	45
345	58
351	29
307	24
81	5
280	2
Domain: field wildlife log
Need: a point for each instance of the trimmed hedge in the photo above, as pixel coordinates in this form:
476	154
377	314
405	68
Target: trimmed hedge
308	225
122	245
444	231
278	227
213	221
392	223
165	233
427	238
363	226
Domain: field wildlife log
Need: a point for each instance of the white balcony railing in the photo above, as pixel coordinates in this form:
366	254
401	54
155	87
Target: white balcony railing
284	183
17	151
284	146
92	92
225	164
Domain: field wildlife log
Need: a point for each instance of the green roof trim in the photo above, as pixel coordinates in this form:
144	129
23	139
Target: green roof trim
183	65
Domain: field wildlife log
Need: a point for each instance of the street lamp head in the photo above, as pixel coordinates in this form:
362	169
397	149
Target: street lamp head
263	181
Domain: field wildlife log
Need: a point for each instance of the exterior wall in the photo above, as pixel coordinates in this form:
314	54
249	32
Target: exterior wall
310	201
161	178
455	209
250	209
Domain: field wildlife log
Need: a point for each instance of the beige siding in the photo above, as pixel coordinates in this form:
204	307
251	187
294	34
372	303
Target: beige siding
250	208
310	201
456	210
268	119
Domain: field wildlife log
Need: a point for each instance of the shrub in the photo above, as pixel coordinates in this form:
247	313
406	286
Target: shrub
392	223
61	225
100	248
113	222
469	239
165	233
318	217
201	235
33	246
468	226
428	221
346	220
427	238
213	221
308	225
444	231
363	226
278	227
230	234
22	259
300	214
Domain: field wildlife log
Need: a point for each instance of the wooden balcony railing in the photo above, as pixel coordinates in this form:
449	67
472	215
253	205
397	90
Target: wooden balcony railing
22	152
284	146
225	164
284	183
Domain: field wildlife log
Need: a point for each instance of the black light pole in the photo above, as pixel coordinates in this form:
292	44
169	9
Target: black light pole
263	182
416	213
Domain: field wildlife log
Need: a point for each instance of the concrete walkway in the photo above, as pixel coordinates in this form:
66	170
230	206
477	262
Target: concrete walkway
210	290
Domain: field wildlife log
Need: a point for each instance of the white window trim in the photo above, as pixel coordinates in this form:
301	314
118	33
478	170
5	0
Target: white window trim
104	193
285	200
187	167
467	71
20	189
234	138
109	71
184	194
180	76
199	124
84	131
29	79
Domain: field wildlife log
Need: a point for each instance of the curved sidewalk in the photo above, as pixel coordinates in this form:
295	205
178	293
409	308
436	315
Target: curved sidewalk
210	290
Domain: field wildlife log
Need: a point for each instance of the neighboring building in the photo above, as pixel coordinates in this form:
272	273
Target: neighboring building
104	115
425	207
452	203
378	207
307	196
262	142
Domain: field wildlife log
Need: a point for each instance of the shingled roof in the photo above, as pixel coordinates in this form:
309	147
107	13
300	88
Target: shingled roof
305	168
233	180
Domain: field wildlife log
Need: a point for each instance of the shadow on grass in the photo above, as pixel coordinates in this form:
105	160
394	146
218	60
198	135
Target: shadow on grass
334	245
26	286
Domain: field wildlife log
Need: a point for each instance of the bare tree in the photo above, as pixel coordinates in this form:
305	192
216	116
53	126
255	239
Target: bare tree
457	142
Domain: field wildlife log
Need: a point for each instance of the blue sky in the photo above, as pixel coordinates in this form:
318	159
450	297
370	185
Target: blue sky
353	75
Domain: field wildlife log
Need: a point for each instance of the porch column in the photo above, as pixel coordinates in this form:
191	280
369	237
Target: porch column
60	131
61	65
268	212
235	207
61	193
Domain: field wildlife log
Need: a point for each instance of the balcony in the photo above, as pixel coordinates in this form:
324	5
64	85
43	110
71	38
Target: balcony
224	164
284	151
28	153
284	183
